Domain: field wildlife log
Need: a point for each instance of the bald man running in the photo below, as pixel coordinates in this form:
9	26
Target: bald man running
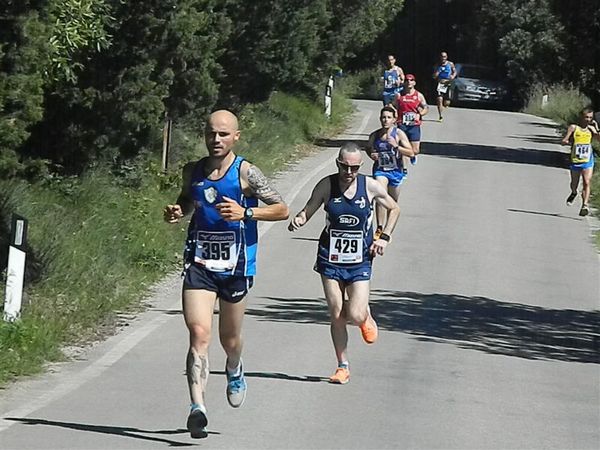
222	191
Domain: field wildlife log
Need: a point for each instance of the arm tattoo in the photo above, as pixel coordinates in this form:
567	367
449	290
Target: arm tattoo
261	187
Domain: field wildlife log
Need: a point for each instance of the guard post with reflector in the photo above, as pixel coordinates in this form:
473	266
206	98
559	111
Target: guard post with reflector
15	272
328	94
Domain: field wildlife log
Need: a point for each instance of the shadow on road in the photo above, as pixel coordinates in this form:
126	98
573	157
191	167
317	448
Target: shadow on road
337	143
538	138
540	213
542	124
500	154
476	323
303	310
128	432
278	376
532	156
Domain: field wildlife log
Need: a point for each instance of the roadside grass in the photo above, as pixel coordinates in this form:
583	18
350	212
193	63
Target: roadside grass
98	242
563	107
564	103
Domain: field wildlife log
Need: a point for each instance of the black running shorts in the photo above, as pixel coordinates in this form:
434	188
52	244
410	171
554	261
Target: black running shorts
227	287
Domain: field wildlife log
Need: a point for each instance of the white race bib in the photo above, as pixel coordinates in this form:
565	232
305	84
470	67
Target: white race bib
442	88
345	247
409	118
389	82
216	250
583	151
387	160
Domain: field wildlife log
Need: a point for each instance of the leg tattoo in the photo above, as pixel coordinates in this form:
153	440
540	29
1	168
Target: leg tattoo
197	375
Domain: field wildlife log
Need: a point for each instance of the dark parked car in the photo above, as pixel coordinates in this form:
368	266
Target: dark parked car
478	84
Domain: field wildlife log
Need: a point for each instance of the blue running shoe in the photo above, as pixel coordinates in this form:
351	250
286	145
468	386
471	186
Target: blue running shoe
413	160
236	388
197	422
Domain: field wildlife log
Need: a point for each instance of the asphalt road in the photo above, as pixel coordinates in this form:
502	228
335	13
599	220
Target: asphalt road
487	300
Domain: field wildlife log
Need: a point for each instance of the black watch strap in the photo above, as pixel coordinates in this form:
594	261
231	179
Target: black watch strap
384	237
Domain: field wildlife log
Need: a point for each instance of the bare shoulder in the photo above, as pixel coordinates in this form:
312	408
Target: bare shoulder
374	187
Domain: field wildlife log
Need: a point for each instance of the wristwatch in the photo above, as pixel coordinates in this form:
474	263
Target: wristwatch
248	214
384	237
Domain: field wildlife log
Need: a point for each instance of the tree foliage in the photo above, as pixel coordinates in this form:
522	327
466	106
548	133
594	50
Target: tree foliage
83	81
529	39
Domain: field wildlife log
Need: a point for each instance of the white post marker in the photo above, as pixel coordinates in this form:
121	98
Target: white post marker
328	92
544	101
16	269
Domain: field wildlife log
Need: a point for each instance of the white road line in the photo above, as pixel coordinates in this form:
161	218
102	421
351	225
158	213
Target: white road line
73	381
364	123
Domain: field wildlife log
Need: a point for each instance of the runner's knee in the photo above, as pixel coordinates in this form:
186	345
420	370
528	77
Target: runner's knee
356	315
199	336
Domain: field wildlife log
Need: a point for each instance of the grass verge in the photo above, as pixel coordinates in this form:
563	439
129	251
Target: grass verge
98	242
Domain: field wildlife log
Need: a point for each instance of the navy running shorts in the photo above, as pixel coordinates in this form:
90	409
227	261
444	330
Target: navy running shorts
348	274
413	132
227	287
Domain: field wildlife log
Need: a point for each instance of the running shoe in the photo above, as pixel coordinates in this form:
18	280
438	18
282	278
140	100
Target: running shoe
197	422
377	234
584	211
341	376
369	330
571	198
236	388
413	160
440	119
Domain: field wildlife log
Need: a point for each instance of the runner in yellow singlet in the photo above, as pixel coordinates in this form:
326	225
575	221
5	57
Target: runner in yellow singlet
580	137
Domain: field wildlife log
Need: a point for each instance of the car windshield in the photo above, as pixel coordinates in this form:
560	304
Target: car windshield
478	73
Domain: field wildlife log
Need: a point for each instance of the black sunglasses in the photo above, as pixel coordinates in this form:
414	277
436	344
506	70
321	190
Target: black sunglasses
345	166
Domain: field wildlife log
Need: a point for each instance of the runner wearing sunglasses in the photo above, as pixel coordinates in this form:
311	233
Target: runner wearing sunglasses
346	248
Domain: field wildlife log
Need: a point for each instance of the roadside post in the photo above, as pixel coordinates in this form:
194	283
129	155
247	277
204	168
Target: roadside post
544	101
15	271
166	143
328	93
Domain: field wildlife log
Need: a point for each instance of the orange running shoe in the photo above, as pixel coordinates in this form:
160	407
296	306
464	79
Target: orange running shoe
341	376
369	330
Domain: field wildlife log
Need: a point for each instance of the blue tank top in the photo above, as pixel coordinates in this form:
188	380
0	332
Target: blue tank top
390	80
388	158
347	235
445	71
227	248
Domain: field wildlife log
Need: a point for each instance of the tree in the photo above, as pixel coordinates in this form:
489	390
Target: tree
530	39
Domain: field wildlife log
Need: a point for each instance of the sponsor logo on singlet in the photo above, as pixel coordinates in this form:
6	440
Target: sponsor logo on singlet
347	219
